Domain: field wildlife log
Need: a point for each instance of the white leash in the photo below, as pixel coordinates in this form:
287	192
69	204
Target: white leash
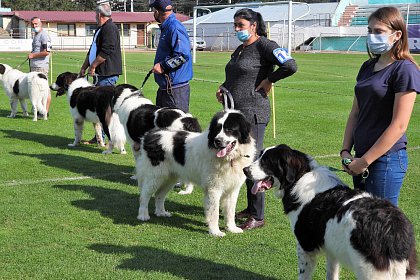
227	95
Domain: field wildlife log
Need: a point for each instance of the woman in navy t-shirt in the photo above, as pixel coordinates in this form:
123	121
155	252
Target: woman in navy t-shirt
385	92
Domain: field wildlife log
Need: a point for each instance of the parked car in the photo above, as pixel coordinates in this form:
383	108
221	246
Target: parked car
200	44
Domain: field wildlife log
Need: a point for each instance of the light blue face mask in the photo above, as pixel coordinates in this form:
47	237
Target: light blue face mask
35	29
378	43
243	35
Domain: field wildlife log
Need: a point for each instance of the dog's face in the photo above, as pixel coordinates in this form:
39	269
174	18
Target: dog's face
3	69
280	167
62	82
227	130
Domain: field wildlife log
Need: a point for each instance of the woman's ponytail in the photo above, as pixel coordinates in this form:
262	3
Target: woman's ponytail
261	29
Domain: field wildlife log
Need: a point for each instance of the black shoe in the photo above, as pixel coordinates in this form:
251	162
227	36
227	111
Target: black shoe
244	214
252	223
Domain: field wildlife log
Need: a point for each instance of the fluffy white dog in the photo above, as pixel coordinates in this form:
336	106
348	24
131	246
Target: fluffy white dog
20	86
213	159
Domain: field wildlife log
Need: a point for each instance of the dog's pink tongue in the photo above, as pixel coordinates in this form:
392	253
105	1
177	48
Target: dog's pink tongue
222	152
256	187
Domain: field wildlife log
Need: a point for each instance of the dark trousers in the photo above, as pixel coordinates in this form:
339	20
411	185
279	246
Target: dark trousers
177	97
256	201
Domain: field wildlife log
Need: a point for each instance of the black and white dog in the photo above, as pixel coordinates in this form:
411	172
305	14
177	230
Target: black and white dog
213	159
369	235
138	115
20	86
93	104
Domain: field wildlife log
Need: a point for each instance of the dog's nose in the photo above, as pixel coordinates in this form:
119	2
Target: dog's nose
246	171
217	142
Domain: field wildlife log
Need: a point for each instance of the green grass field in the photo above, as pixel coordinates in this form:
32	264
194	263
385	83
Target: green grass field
70	213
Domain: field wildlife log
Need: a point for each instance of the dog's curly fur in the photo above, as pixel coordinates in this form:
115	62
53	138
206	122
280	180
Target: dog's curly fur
20	86
369	235
213	160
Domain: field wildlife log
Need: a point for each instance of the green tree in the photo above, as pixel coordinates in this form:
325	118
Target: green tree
50	5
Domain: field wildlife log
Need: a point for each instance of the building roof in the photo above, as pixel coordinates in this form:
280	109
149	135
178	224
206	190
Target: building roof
87	17
272	13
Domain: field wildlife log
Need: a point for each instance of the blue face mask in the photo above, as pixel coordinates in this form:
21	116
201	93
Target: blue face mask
35	29
243	35
378	43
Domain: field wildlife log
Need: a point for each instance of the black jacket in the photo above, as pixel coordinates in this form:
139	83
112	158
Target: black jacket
245	71
108	47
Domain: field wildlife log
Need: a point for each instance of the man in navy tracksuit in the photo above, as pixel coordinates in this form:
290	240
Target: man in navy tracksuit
173	61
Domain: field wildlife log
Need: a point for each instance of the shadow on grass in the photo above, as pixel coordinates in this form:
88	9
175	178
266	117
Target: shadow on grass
122	207
85	167
5	113
52	141
149	259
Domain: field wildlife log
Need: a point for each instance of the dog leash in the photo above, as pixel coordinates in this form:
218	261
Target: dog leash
17	67
94	78
145	79
365	174
227	95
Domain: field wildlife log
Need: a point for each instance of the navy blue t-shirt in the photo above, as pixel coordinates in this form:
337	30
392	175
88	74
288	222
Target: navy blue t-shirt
375	93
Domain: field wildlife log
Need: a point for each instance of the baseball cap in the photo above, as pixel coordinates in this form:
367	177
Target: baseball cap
160	4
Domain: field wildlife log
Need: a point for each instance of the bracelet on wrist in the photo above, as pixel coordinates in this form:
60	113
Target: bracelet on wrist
345	150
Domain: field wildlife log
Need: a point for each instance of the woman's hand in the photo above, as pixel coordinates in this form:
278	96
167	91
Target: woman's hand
357	166
346	155
265	85
219	95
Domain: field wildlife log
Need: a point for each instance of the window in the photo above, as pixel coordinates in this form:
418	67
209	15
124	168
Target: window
90	29
126	29
66	29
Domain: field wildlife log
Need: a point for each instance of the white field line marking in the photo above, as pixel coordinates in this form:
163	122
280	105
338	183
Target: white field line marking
53	180
31	182
80	178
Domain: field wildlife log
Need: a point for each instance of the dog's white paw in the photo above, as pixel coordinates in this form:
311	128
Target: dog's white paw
35	119
188	189
143	217
184	192
217	233
235	229
123	152
163	214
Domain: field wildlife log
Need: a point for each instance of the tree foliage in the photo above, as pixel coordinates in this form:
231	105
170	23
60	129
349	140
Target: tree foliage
181	6
49	5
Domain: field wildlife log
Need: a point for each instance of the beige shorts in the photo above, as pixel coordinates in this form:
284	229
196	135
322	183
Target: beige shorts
40	69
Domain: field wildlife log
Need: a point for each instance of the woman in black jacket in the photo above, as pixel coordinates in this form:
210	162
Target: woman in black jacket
250	75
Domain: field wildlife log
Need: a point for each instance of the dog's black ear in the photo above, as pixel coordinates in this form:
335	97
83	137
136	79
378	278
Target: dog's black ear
290	174
299	164
214	128
2	69
245	129
286	169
